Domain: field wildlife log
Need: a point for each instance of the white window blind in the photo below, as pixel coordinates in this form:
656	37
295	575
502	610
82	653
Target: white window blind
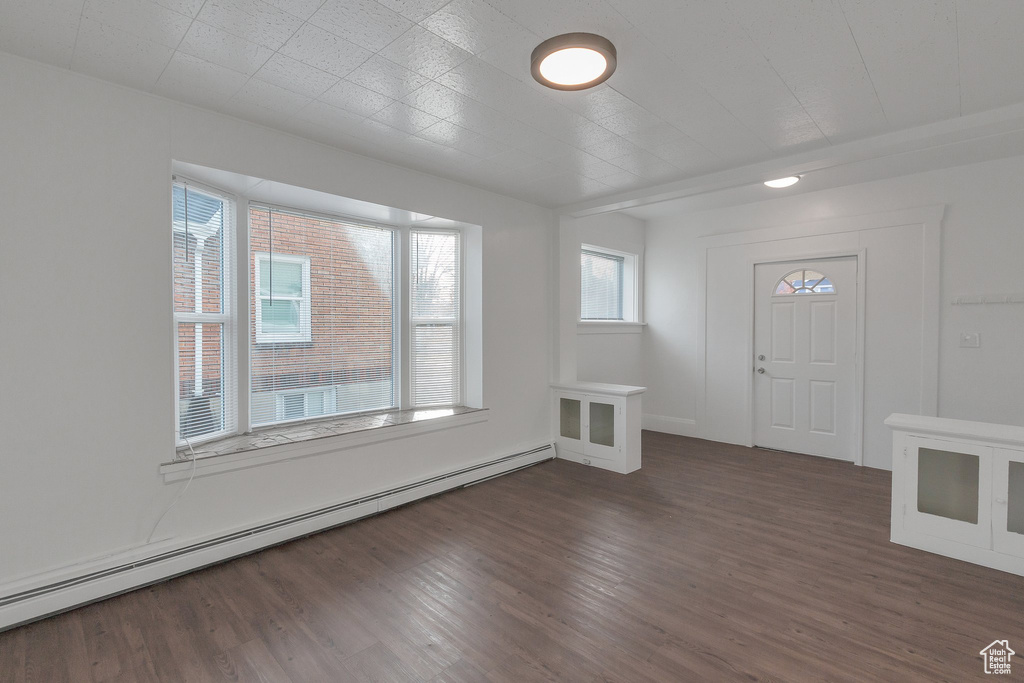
435	317
201	223
601	285
323	309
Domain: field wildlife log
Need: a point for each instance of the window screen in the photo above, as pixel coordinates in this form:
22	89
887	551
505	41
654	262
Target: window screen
323	309
435	307
601	283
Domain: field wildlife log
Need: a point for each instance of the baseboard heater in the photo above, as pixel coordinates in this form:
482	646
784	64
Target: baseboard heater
166	565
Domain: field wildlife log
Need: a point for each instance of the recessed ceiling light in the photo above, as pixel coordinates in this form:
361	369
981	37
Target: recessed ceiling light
573	61
780	183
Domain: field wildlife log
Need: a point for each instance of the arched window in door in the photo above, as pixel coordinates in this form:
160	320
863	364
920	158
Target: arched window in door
805	282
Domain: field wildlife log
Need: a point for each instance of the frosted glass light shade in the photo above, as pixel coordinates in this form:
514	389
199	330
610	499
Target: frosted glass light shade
573	61
573	66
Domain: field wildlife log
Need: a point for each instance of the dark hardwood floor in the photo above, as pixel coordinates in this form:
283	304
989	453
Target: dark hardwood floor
712	563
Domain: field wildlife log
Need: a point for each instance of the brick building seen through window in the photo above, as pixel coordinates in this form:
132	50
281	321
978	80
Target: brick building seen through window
346	365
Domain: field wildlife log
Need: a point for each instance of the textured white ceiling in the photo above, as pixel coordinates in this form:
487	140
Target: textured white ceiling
445	87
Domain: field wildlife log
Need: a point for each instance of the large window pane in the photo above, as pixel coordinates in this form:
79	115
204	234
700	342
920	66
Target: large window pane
345	362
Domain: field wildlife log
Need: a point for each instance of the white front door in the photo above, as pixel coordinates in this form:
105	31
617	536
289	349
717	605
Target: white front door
805	356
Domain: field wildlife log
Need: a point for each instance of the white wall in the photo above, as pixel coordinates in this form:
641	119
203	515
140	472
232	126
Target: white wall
86	408
595	353
982	253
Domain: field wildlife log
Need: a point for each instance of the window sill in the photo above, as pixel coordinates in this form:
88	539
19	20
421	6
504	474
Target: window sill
290	442
608	327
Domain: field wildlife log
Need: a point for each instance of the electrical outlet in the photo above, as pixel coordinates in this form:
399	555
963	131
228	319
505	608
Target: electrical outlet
970	340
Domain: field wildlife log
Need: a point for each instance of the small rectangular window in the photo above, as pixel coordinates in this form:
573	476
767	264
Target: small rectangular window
608	285
282	299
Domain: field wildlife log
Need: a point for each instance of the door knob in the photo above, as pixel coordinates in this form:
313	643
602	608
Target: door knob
760	371
761	357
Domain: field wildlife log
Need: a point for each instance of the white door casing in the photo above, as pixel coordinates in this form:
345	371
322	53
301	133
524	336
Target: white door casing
805	386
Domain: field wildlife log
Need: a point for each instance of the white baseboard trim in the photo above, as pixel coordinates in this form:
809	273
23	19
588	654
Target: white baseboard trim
941	546
670	425
58	591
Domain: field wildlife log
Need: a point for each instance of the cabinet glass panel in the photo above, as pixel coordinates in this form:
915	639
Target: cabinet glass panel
1015	499
947	484
569	418
602	424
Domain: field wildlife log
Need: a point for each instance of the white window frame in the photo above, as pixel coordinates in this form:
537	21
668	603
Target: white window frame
227	318
305	333
409	377
630	287
237	288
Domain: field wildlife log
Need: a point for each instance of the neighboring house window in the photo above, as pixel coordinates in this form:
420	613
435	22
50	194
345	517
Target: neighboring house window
203	315
282	299
608	285
296	405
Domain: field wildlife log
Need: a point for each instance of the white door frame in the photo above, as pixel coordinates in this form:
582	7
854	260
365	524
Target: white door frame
927	218
860	257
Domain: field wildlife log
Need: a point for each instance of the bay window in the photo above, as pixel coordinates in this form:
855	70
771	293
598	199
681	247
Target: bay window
337	324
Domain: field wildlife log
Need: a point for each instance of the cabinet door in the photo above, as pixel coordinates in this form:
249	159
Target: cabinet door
569	423
949	490
604	425
1008	502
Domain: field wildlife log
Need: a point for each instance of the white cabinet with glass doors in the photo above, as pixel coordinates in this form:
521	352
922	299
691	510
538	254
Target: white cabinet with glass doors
958	489
598	424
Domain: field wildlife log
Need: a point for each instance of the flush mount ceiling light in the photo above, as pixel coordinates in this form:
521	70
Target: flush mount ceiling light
780	183
573	61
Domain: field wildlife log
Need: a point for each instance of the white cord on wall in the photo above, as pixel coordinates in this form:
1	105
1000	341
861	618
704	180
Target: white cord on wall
181	493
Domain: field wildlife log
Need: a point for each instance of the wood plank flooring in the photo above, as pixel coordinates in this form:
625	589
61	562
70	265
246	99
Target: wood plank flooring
712	563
